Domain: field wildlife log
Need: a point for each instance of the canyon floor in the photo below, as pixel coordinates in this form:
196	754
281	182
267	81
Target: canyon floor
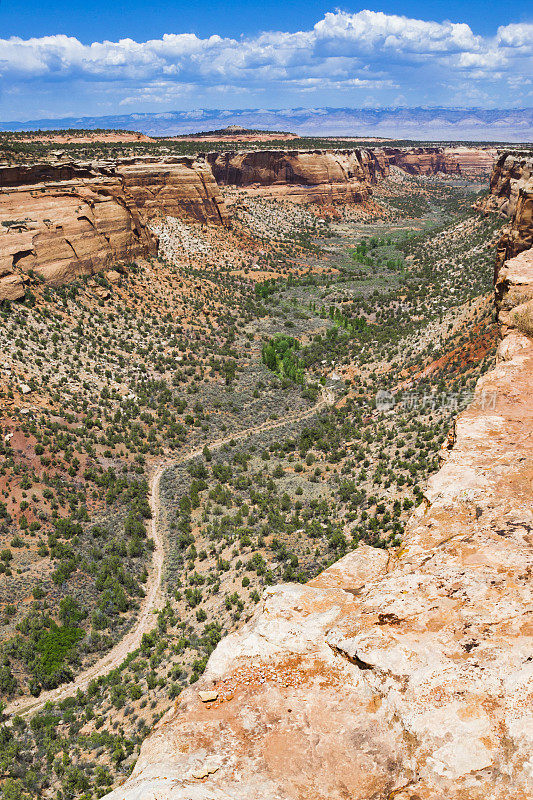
183	433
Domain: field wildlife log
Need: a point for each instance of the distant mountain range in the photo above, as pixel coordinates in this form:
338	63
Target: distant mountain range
472	124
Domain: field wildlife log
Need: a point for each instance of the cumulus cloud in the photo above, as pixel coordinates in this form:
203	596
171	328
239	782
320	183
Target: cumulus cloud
516	35
343	52
370	31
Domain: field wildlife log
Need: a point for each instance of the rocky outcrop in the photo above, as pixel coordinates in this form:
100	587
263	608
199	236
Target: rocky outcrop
34	174
512	171
406	674
474	162
514	270
518	236
65	221
66	228
511	193
423	160
514	293
339	176
176	186
319	176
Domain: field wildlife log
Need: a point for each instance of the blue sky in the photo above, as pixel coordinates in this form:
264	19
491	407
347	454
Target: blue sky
73	57
101	19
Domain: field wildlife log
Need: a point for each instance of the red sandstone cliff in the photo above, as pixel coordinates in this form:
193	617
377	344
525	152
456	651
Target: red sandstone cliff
176	186
68	220
423	160
321	176
511	193
71	220
518	236
470	162
405	675
340	176
512	171
65	226
474	162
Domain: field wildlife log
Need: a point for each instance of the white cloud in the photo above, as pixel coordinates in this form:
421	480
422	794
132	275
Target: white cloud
371	31
343	51
516	35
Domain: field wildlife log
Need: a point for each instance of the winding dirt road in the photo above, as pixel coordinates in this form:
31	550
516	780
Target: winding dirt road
153	598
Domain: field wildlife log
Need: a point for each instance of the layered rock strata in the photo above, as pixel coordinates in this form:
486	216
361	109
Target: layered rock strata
512	171
423	160
65	221
178	187
319	176
66	228
511	193
469	162
474	162
339	176
406	674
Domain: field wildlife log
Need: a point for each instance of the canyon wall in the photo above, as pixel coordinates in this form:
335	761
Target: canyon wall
474	162
469	162
65	221
319	176
340	176
175	186
511	194
405	674
65	226
511	172
423	160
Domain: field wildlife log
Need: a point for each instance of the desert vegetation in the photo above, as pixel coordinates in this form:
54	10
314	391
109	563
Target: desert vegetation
386	308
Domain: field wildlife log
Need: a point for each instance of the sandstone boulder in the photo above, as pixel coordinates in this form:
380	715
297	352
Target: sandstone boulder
11	287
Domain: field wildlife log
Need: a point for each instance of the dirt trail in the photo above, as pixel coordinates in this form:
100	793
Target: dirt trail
152	600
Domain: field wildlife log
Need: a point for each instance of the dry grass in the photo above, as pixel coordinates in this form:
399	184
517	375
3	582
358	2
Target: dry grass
522	318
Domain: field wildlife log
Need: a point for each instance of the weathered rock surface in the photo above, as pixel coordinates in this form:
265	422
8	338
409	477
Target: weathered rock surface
67	228
518	236
32	174
470	162
319	176
474	162
512	171
67	220
405	675
511	193
514	287
340	176
423	160
70	220
177	187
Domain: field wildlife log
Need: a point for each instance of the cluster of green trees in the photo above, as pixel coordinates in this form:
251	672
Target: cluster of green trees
281	355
